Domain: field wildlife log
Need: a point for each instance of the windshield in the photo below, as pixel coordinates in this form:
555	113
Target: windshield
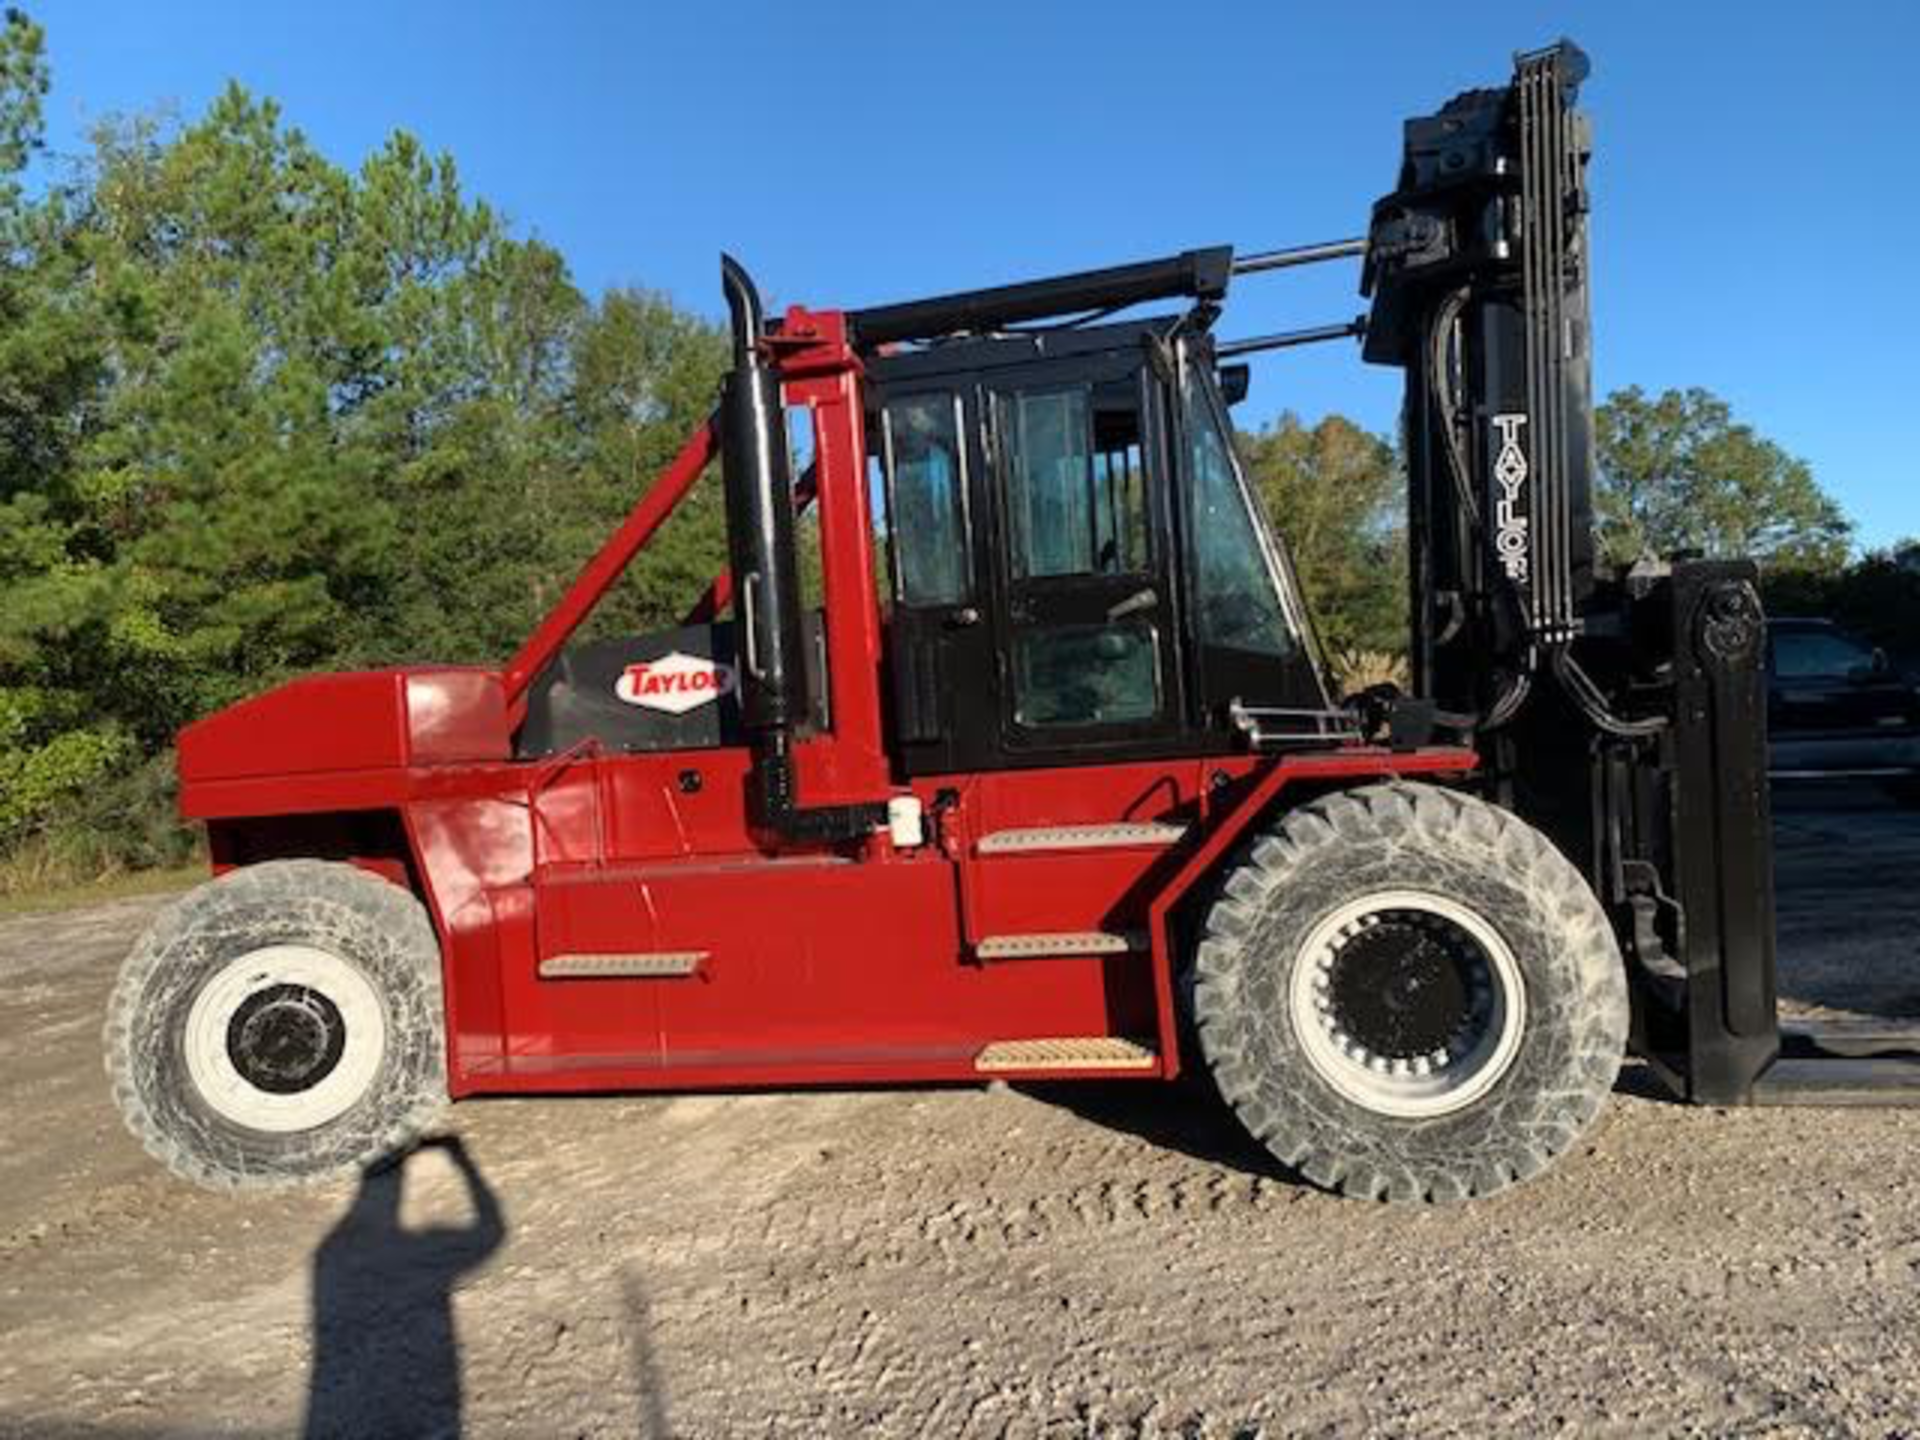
1238	595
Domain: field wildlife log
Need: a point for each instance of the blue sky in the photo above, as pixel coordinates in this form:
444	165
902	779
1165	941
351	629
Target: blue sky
1756	204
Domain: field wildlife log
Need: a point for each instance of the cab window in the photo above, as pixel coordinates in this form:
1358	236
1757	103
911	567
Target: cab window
1079	495
927	500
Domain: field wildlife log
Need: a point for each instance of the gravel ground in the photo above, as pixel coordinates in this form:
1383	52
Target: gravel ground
1076	1261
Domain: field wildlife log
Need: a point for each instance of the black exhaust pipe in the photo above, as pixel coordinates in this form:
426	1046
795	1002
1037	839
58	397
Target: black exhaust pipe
760	540
766	581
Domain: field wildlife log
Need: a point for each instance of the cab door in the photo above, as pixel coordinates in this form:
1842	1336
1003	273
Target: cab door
1090	661
925	443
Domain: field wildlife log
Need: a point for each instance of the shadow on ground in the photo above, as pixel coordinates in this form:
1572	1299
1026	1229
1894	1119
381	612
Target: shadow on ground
386	1358
1188	1117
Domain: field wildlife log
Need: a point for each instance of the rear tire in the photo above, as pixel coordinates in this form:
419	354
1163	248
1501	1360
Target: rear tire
1405	992
280	1025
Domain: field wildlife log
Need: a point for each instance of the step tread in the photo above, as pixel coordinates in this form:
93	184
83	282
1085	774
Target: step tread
1087	1052
635	965
1104	836
1042	943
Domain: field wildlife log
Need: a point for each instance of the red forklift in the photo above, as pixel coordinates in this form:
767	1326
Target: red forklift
1047	782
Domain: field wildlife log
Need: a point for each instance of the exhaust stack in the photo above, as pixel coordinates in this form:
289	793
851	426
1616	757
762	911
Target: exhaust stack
765	562
760	537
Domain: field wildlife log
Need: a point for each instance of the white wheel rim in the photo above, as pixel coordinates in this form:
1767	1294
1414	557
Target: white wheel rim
1455	1074
209	1054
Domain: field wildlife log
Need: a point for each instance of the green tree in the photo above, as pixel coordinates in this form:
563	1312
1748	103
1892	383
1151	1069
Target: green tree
237	505
23	86
1679	472
1336	493
54	743
265	415
645	374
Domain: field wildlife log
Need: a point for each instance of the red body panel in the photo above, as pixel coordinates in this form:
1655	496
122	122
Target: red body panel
811	965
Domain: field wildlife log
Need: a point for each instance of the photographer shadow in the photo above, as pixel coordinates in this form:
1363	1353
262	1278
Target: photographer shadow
386	1355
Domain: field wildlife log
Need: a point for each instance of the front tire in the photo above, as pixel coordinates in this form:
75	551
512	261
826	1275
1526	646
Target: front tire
1408	993
280	1025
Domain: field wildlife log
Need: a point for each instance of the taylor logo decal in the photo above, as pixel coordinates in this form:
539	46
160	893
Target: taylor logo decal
675	683
1510	472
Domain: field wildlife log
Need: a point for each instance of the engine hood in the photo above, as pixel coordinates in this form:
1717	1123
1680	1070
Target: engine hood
368	720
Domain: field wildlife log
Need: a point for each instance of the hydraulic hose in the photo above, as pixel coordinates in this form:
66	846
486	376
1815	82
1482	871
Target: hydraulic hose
1593	704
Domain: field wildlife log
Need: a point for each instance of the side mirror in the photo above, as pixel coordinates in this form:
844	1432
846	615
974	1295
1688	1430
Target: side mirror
1880	665
1234	381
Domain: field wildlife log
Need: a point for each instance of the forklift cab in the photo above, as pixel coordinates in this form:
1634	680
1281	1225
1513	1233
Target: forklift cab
1076	566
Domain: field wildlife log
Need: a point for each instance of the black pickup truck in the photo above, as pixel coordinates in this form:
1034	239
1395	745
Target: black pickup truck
1836	707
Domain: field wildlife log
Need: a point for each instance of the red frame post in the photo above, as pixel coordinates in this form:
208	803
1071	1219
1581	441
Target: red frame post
820	369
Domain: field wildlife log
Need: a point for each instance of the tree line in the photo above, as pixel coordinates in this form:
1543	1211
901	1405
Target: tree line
262	414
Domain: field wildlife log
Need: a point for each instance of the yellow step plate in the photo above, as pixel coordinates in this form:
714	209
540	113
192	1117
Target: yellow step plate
1091	1052
1039	946
623	967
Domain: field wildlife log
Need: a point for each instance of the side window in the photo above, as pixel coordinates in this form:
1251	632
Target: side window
1119	481
802	452
926	511
1236	597
882	520
1079	502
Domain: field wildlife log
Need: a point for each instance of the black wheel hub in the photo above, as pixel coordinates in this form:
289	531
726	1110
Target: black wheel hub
1407	986
286	1038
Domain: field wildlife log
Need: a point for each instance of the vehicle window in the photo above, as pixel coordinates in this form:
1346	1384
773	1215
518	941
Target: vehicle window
1806	654
1236	597
1086	674
1078	481
802	452
927	510
882	520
